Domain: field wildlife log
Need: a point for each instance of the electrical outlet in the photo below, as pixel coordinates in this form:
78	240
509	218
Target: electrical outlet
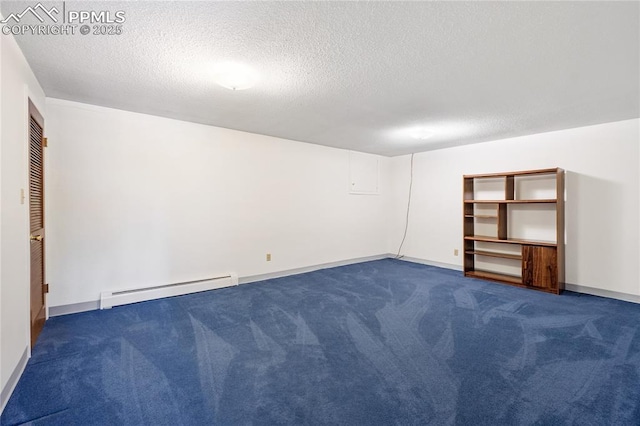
268	257
455	252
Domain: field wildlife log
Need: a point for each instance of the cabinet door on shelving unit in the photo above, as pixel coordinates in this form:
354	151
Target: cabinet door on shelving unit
540	267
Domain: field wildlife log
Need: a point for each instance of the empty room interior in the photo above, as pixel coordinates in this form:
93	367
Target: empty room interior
308	213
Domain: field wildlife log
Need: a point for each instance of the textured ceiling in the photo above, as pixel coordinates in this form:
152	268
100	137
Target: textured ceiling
358	75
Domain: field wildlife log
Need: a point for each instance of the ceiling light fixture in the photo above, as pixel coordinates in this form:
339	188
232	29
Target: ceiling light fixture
434	132
421	134
235	76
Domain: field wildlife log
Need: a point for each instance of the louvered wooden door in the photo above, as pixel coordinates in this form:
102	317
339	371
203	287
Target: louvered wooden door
36	221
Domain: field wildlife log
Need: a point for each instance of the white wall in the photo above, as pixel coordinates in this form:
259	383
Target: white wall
602	198
138	200
2	381
17	83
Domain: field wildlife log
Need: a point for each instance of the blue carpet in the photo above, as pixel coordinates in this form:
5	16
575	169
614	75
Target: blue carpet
384	342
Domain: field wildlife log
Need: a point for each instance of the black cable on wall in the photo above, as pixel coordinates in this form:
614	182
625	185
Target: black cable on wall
406	224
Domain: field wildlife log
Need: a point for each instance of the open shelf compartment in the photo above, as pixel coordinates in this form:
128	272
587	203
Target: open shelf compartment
494	276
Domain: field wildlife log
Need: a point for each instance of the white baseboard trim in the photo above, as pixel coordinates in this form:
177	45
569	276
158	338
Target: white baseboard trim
296	271
93	305
73	308
428	262
569	287
602	293
109	299
13	379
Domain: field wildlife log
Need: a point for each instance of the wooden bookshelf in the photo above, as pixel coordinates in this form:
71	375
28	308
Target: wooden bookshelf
541	263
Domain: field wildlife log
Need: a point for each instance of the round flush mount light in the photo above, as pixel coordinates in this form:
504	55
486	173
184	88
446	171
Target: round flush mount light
421	134
433	132
235	76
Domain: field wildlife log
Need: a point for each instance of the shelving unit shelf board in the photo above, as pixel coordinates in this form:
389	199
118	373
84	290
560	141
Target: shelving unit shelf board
494	276
488	218
541	201
506	279
494	254
519	173
488	239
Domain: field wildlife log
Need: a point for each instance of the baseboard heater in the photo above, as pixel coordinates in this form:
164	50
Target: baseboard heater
109	299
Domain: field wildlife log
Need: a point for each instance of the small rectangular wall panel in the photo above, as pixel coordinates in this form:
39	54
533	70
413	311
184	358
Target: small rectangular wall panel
363	173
